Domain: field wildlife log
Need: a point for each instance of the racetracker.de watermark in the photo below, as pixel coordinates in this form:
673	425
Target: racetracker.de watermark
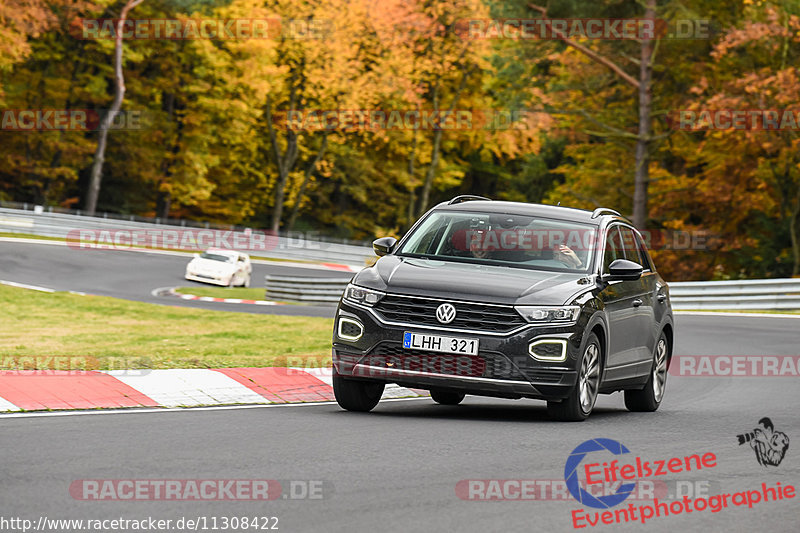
22	120
582	28
171	239
199	490
193	240
72	365
734	119
409	119
201	28
577	239
735	366
490	490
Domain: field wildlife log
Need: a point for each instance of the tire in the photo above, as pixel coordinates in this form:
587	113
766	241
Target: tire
230	281
355	395
246	282
446	397
649	398
579	404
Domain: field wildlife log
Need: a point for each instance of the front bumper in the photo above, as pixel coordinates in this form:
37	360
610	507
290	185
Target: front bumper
214	279
502	368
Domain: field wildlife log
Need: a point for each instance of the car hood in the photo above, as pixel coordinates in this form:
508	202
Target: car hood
466	281
209	264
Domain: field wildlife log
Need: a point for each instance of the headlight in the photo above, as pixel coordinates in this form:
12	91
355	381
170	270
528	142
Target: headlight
538	314
360	295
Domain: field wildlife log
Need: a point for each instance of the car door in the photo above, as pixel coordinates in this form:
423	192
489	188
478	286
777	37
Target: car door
619	299
643	332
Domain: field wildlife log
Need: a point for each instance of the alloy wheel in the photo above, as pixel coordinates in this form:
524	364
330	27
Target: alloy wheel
589	377
660	370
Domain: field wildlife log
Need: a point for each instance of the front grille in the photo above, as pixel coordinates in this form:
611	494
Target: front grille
486	364
469	315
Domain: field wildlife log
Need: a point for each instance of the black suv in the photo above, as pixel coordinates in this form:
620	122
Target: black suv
509	300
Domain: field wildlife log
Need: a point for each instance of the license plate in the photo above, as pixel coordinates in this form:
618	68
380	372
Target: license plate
439	343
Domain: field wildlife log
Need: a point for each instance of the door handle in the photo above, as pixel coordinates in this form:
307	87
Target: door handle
637	302
662	298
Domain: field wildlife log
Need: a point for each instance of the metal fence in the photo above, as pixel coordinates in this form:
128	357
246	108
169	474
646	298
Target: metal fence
49	222
318	291
765	294
759	294
298	246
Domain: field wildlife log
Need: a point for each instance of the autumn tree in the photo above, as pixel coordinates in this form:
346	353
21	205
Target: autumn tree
742	185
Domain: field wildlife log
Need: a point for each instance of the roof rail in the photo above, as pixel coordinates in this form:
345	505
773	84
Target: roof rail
466	198
604	210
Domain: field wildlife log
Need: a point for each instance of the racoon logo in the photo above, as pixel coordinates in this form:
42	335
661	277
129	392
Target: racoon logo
770	445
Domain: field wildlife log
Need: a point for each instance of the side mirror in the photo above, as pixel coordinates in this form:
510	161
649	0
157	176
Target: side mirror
623	270
383	246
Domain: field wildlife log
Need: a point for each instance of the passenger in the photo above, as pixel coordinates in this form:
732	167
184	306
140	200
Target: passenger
566	255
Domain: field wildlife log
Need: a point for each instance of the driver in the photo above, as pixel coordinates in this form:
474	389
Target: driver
477	241
477	249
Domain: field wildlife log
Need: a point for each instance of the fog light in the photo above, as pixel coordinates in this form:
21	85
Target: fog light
349	329
548	349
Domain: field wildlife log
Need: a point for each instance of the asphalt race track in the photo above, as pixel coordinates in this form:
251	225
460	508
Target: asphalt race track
132	275
397	468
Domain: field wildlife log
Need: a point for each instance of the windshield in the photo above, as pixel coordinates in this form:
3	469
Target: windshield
520	241
217	257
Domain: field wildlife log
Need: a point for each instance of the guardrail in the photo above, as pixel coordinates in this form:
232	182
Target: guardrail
772	294
764	294
44	223
320	291
761	294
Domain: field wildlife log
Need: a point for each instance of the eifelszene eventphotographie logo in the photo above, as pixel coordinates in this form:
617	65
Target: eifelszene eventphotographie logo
622	470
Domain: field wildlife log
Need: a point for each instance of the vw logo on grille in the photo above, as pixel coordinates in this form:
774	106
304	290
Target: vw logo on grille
445	313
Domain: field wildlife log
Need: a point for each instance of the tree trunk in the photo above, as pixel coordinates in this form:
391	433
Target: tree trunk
793	227
96	175
164	197
306	179
284	163
642	175
164	205
412	198
437	141
290	156
426	187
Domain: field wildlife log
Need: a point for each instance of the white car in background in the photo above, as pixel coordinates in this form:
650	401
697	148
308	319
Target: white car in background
228	268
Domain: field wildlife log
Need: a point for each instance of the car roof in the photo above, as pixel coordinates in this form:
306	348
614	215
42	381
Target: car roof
223	251
520	208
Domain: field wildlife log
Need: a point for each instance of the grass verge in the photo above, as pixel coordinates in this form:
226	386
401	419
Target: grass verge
114	334
224	292
29	236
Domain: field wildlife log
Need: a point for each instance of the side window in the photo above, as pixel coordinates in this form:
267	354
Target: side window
630	246
613	249
647	263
